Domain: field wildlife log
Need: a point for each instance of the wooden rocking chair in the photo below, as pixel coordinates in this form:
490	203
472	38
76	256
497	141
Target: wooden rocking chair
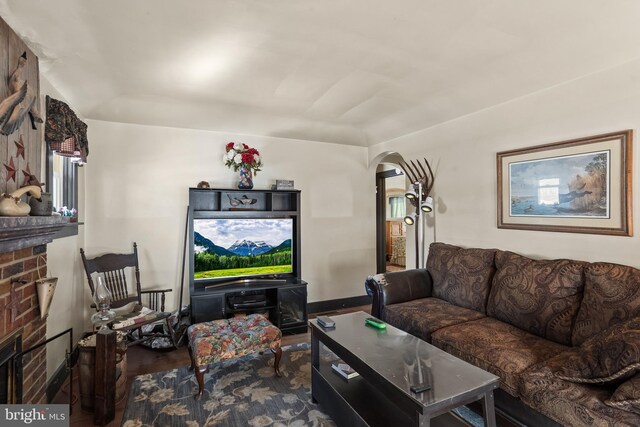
132	312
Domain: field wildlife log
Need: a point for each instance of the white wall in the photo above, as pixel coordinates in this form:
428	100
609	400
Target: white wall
69	307
463	152
137	180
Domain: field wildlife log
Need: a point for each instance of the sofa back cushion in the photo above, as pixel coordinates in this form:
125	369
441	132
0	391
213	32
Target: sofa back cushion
611	296
539	296
461	276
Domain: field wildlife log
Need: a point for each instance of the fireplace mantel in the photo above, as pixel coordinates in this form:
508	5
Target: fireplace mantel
28	231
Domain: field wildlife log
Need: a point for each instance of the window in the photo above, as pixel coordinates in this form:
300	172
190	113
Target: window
397	207
67	148
62	183
549	191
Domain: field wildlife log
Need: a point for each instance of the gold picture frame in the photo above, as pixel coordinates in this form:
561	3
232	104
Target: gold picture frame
578	186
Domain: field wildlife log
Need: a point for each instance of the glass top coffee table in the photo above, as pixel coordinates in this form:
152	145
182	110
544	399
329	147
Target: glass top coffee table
389	362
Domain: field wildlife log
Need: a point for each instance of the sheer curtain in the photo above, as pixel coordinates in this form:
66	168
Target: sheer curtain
397	208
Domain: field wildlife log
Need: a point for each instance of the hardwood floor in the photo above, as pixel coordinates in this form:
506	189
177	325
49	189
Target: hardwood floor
394	267
141	360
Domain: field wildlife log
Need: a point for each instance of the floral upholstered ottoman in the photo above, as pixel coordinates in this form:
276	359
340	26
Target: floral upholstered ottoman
210	342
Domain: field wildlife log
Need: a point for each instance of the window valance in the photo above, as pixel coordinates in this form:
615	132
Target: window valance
65	133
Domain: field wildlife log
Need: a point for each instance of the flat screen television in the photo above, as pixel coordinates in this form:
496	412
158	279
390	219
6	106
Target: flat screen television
225	249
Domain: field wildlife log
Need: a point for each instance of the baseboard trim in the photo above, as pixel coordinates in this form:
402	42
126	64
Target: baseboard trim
335	304
56	381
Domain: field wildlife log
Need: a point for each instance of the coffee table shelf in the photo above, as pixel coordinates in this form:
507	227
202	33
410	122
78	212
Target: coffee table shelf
357	403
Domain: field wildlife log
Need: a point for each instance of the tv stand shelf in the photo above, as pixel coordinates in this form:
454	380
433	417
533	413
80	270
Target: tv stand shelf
249	284
285	304
234	200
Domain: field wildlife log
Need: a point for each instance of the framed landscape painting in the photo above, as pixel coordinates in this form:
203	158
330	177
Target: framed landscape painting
577	186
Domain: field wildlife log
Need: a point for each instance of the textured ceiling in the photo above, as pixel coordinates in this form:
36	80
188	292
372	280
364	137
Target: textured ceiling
354	72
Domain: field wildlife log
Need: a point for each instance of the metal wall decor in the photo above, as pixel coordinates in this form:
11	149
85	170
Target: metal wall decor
418	193
420	175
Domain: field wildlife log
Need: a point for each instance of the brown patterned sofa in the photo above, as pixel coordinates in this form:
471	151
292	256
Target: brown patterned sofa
563	335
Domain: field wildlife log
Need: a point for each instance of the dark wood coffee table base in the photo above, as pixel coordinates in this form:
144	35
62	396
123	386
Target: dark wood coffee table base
358	404
379	396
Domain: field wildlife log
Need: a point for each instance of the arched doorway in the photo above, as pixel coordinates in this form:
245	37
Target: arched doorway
390	211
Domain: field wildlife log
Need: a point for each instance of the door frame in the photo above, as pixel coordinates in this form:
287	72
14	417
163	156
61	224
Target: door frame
381	218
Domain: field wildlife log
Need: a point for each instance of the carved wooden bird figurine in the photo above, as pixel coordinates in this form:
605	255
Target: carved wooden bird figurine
247	200
244	200
22	100
233	201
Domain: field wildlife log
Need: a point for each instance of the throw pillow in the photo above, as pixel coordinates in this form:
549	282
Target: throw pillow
609	357
127	308
627	396
611	296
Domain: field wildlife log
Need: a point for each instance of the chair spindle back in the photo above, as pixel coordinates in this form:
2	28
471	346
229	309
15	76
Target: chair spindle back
114	268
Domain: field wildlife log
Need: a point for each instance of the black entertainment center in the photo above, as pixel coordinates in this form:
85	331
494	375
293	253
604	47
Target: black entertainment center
258	273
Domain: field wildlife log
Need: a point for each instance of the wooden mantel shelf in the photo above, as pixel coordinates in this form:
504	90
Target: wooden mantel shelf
28	231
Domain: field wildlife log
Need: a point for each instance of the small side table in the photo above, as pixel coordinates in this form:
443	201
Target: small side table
87	364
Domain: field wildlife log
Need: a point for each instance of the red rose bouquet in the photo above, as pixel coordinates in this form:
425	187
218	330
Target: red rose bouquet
238	155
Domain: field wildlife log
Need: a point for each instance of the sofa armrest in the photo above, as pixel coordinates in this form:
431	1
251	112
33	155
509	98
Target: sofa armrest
400	286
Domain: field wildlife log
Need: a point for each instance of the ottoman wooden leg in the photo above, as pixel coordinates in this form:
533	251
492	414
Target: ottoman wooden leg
199	371
276	363
193	361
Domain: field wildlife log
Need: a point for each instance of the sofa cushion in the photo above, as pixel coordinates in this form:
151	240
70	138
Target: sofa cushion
423	316
461	276
609	357
611	296
568	403
539	296
627	396
497	347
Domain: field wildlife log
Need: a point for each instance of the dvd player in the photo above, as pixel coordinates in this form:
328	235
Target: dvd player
247	301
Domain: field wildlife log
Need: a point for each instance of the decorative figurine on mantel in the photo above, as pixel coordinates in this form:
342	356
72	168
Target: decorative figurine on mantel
244	158
11	205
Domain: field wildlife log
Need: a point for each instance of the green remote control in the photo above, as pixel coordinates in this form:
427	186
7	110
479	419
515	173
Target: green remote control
372	321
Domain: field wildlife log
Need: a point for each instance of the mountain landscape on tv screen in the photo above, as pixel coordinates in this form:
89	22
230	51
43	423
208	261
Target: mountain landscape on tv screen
243	248
208	245
247	247
244	257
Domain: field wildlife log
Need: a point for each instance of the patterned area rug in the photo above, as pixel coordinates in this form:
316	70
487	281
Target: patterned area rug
239	392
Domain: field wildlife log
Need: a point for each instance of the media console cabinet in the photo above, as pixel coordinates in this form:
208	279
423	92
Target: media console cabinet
286	303
282	297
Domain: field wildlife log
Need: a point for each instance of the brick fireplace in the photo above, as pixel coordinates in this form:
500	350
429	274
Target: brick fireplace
23	256
19	304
